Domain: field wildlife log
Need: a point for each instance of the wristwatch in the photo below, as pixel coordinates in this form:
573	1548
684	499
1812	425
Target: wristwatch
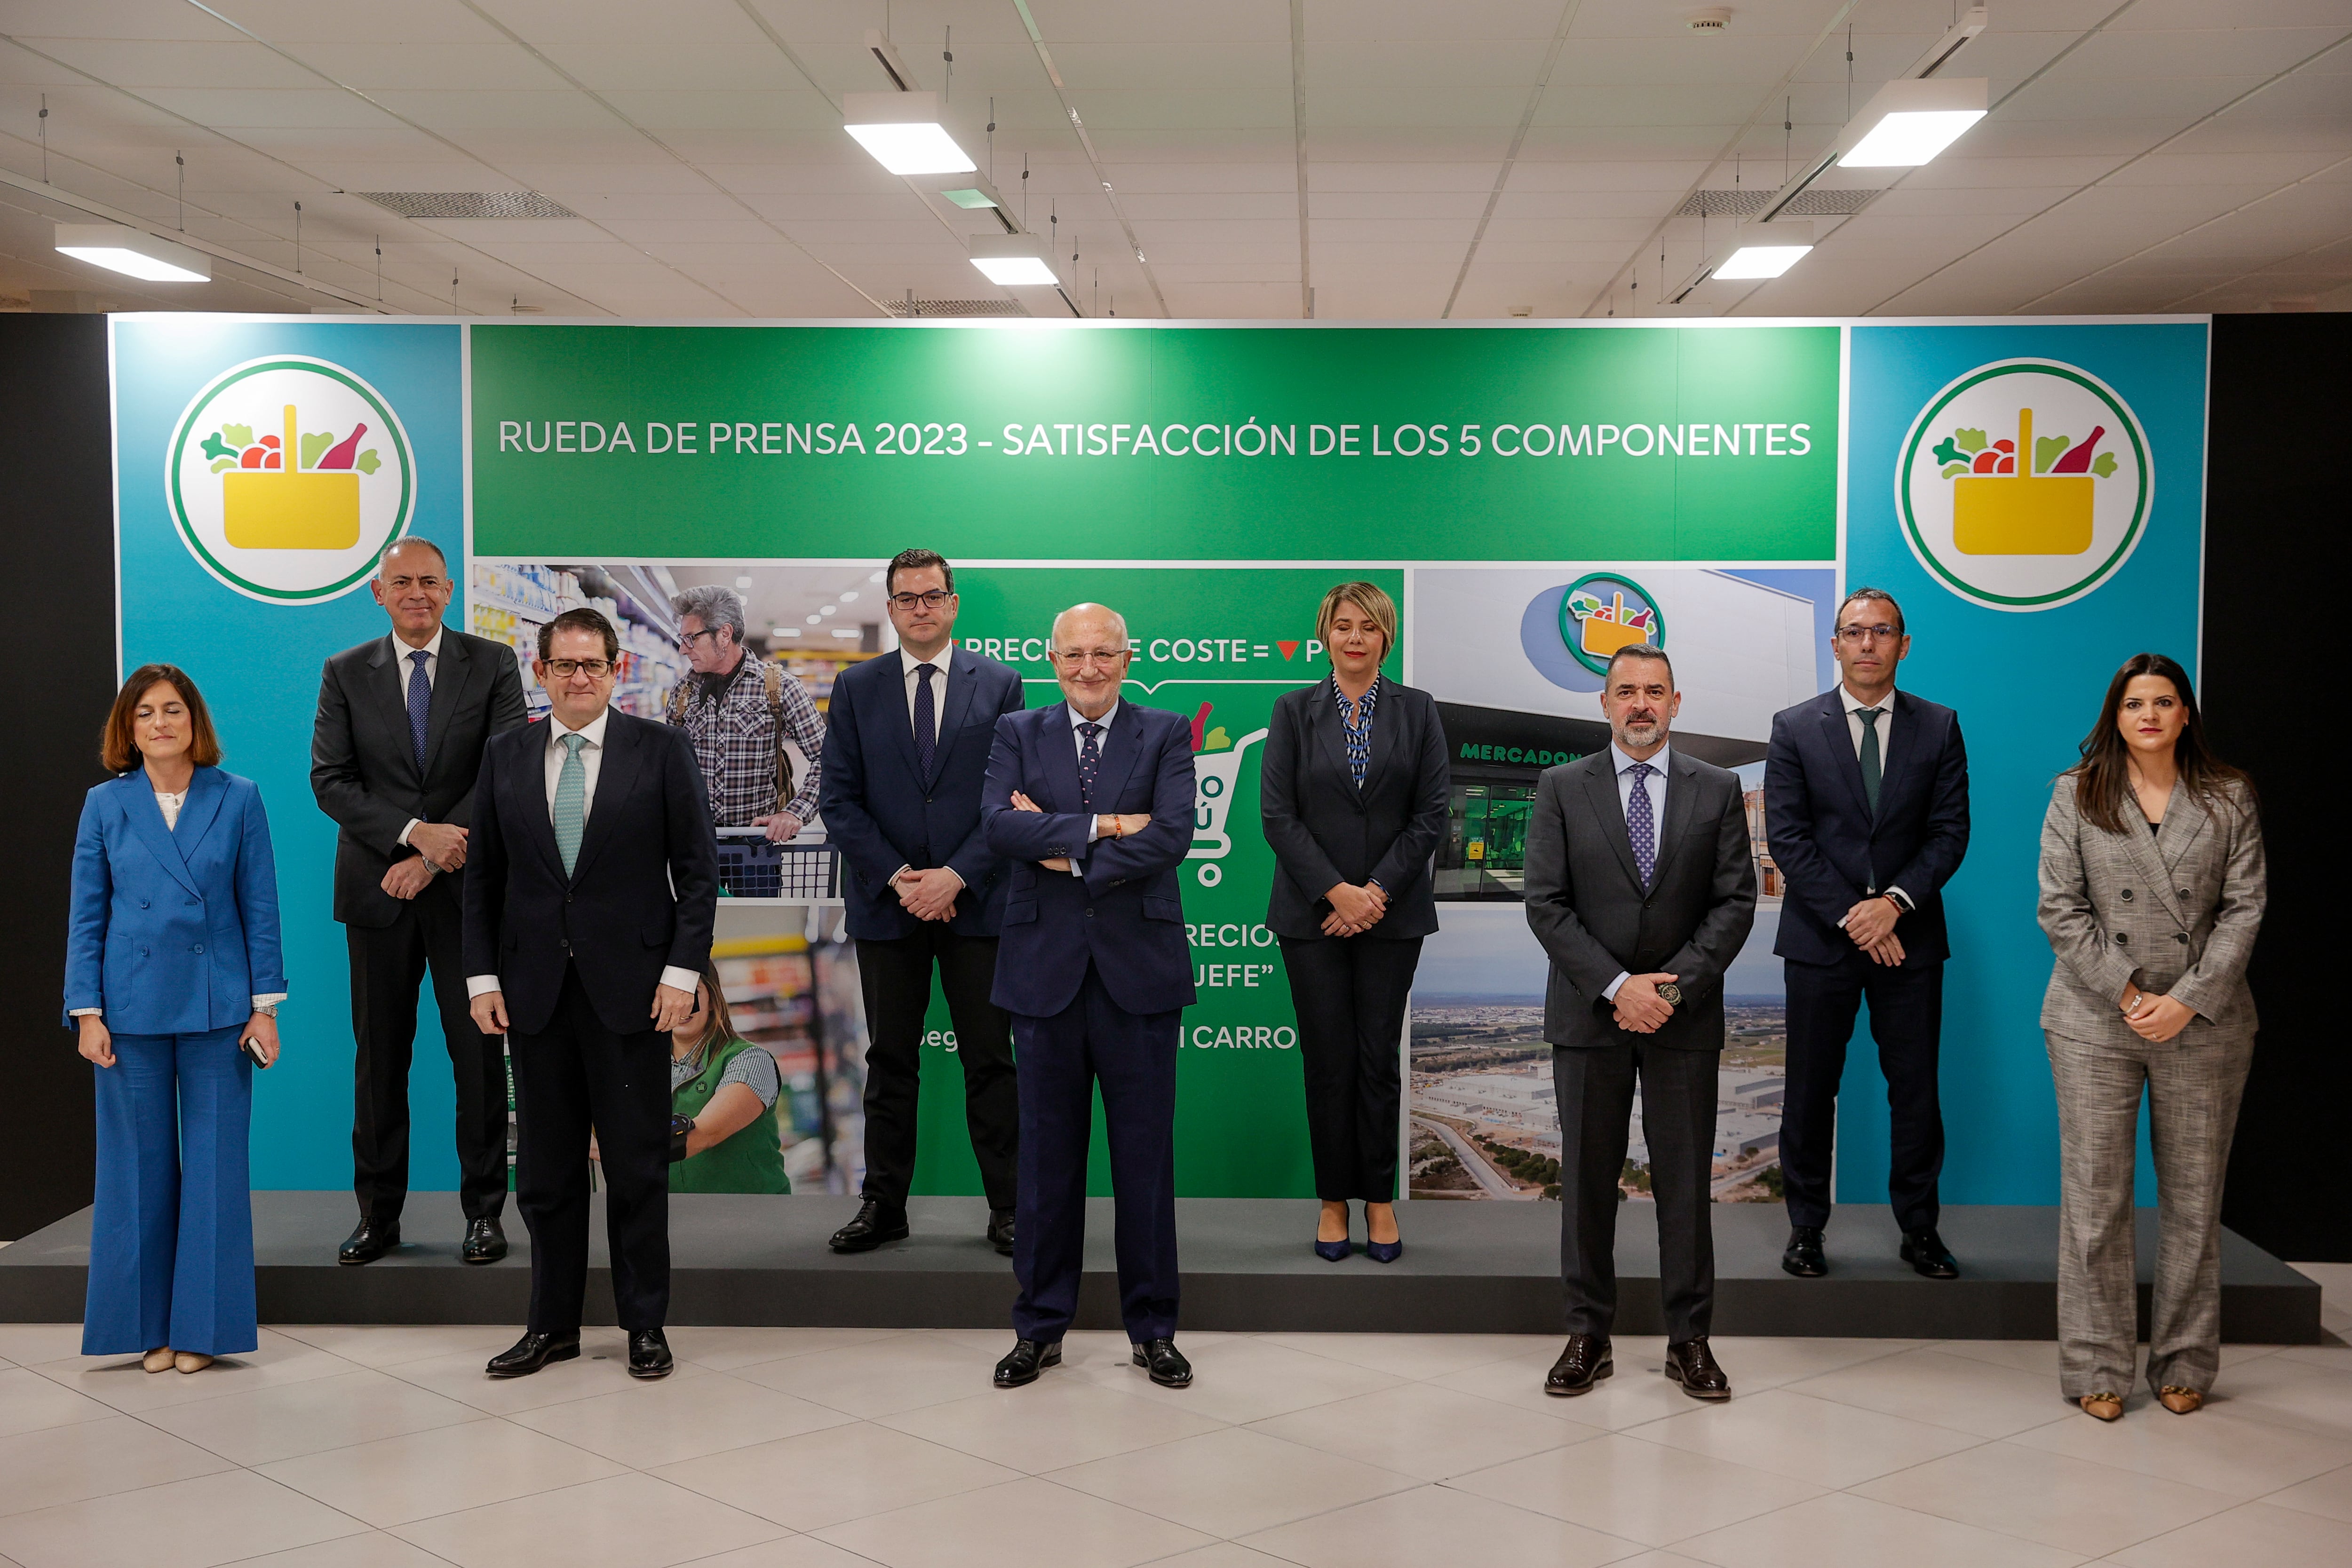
1670	994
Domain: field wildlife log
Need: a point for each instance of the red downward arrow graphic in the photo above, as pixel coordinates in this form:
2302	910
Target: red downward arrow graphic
1288	648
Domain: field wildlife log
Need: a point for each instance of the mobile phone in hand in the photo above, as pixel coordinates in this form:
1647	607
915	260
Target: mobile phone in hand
252	1052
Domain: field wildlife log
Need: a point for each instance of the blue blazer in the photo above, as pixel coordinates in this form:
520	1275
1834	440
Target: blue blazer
1126	916
1830	848
173	930
883	812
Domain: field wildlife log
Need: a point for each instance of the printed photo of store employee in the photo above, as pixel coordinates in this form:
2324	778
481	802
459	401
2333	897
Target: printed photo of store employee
739	711
1352	790
906	755
725	1087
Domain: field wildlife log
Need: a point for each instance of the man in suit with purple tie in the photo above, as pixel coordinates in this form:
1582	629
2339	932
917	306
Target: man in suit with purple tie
1091	799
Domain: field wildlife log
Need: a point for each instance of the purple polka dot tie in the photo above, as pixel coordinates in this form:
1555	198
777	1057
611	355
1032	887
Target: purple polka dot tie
420	705
1641	822
1089	763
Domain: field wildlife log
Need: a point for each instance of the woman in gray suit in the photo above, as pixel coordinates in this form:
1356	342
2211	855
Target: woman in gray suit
2152	887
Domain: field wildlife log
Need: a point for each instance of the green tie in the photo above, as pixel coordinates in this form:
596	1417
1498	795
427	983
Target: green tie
571	797
1869	716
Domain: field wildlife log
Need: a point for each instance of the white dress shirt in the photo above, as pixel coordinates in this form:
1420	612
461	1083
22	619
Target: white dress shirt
432	652
1655	786
1885	704
908	665
592	764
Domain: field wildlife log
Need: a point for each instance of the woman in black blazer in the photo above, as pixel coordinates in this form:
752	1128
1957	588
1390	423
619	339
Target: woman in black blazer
1353	786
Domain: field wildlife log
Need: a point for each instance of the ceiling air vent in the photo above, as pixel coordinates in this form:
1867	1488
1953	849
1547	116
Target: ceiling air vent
467	204
911	307
1743	203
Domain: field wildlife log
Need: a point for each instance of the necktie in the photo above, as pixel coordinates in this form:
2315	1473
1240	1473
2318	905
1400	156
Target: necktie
420	705
1642	822
1870	763
1089	760
927	728
570	800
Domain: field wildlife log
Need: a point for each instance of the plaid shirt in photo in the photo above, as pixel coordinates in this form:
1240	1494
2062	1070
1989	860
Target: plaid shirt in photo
735	743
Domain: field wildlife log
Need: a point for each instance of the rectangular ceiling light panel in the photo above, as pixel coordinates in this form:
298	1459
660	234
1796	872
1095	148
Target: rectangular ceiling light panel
132	253
1908	121
1765	250
903	132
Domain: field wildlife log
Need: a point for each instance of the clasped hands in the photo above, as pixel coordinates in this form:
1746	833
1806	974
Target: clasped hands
928	895
671	1008
439	847
1870	923
2153	1018
1640	1008
1121	826
1354	908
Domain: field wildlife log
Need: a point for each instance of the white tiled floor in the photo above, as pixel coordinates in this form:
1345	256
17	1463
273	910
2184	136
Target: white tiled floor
385	1447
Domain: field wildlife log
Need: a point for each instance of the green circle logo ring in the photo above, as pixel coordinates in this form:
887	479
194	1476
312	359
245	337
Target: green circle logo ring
1603	611
2024	484
286	476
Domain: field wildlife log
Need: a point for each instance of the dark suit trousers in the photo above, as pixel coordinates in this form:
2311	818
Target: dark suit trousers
1906	1019
1132	1057
1350	993
895	976
572	1076
1595	1085
387	965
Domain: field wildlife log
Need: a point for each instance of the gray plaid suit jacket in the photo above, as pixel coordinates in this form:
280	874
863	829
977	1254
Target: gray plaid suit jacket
2176	911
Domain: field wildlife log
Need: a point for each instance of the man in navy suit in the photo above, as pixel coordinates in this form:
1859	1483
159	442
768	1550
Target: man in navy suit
589	897
1866	804
906	752
1091	799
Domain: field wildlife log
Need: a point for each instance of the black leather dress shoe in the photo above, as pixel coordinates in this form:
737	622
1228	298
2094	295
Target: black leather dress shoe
1583	1361
1000	1230
533	1351
1692	1365
876	1223
485	1242
649	1354
1165	1363
1027	1358
1926	1252
1804	1257
369	1243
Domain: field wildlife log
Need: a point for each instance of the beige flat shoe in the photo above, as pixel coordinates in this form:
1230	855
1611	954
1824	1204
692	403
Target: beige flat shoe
2179	1401
189	1360
2105	1407
157	1360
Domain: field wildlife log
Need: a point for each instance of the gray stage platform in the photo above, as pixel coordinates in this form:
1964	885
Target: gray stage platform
1487	1267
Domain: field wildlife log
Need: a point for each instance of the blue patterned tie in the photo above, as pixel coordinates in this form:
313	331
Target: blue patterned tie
570	800
1089	762
420	705
1641	823
926	726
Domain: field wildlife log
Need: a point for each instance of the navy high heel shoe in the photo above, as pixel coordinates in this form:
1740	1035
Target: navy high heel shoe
1333	1252
1384	1251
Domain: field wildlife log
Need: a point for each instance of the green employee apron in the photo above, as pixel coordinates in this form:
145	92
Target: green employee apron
752	1160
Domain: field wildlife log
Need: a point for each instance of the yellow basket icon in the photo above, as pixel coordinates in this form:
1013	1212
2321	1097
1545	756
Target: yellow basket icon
2024	513
1601	638
290	510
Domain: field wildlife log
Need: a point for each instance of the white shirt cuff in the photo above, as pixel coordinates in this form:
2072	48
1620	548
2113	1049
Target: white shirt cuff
680	979
1094	826
1902	898
269	1000
481	986
414	823
87	1013
1608	992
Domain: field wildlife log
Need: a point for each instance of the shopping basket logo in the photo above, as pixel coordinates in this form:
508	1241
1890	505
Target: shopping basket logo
287	478
2024	484
1602	612
1216	777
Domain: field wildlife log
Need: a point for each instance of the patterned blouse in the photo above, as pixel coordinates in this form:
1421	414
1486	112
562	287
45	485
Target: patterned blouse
1356	718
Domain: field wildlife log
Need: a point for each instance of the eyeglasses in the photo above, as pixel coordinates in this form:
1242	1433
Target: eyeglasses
931	601
595	669
1080	661
1855	636
687	639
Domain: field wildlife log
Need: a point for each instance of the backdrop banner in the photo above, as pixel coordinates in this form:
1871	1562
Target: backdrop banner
1533	496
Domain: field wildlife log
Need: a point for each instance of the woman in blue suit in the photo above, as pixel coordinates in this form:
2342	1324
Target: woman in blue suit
172	972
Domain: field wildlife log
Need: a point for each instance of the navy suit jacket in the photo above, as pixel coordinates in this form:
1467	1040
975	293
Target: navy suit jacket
173	930
1830	850
883	813
643	893
1126	916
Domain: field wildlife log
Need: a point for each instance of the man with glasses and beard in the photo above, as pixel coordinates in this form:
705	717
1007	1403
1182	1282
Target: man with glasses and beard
1866	805
906	753
1640	885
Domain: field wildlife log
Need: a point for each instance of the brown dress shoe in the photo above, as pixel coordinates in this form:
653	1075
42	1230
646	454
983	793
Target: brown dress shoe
1583	1362
2179	1400
1692	1365
2105	1407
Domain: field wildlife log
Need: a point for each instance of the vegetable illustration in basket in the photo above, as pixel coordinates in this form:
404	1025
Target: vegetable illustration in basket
1602	629
1215	773
2042	508
295	492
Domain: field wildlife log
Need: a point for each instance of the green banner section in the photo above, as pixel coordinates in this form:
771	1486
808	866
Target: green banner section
1157	442
1218	646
